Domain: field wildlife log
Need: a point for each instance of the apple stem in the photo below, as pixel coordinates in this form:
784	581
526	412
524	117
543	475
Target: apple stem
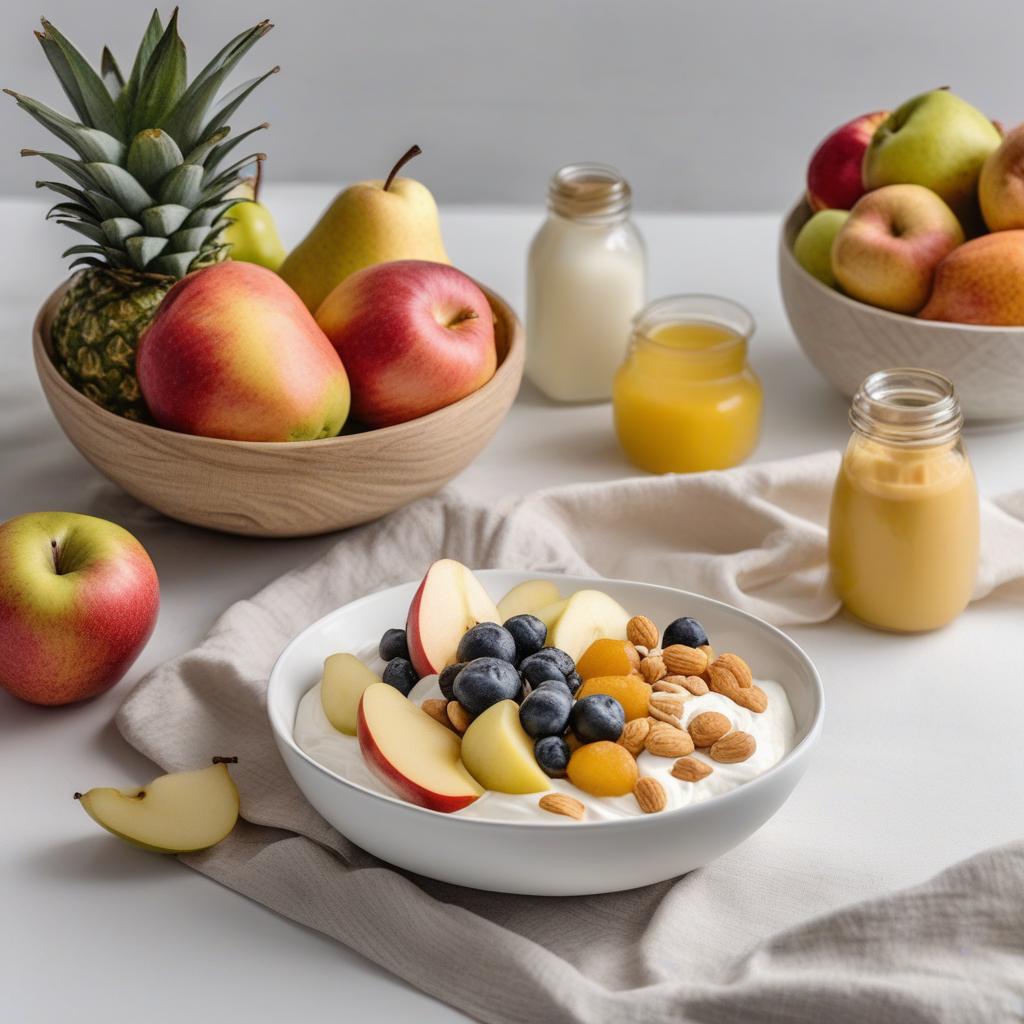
402	161
78	796
461	318
225	760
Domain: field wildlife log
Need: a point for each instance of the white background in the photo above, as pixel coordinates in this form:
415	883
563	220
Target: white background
709	105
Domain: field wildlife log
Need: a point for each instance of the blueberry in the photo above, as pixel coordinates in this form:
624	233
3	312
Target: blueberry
487	640
565	664
546	712
573	681
597	717
394	644
446	680
529	634
539	668
552	754
400	674
684	631
485	681
554	684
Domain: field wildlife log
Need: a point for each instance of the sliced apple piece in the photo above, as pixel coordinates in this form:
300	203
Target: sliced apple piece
589	616
551	613
411	753
177	813
344	679
527	598
499	754
448	602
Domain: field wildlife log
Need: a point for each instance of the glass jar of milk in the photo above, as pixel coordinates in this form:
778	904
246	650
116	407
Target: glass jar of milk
585	283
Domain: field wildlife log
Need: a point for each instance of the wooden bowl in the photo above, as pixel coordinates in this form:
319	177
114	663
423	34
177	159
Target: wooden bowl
285	489
847	340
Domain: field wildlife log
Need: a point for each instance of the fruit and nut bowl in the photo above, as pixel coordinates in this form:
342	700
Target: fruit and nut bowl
214	375
556	706
907	249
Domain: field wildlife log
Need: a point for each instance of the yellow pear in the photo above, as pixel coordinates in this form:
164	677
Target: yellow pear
252	233
369	222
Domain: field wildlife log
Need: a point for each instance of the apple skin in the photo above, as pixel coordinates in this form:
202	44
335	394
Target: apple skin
417	654
71	634
812	247
894	238
414	337
980	283
834	180
1001	185
233	353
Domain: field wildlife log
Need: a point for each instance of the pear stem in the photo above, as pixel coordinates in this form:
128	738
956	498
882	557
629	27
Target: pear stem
402	161
225	760
257	184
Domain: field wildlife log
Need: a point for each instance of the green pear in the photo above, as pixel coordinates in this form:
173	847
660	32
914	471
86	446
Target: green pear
252	233
937	140
812	248
368	223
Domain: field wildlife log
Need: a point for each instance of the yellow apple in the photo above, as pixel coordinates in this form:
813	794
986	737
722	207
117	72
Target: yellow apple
499	754
528	598
589	616
344	680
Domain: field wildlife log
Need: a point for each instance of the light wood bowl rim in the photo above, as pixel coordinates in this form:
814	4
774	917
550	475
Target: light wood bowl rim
51	378
788	235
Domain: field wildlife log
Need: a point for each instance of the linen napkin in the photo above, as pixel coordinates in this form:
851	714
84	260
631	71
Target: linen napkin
735	941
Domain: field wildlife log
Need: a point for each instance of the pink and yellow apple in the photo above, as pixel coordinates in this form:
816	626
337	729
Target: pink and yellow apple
1001	185
982	282
78	600
887	251
411	753
834	179
414	337
233	353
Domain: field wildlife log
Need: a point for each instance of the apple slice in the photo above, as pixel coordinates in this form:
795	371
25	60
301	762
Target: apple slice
499	754
551	613
527	597
589	616
448	602
344	679
411	753
177	813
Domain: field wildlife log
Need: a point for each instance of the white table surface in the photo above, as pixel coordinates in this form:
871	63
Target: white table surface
916	770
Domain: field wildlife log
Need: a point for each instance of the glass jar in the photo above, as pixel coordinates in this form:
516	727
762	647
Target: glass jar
686	400
585	282
903	530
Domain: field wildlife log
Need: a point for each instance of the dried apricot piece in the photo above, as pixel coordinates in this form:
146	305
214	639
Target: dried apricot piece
603	769
630	691
608	657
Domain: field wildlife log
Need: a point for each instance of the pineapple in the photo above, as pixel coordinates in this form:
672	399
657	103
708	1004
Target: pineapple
147	190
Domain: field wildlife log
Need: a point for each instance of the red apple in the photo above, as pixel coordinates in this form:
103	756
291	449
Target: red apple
834	180
78	601
408	751
232	352
414	337
449	601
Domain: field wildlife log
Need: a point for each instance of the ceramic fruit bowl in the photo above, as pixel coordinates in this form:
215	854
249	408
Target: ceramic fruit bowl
537	856
293	489
846	340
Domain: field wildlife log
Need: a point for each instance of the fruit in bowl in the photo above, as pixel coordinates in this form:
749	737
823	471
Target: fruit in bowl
1001	184
834	179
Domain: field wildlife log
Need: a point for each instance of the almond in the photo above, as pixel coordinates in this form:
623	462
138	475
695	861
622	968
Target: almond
458	716
650	795
681	660
738	667
670	703
733	747
691	769
652	668
641	631
708	727
709	651
667	685
634	735
753	698
721	680
694	684
660	717
667	742
560	803
438	711
633	655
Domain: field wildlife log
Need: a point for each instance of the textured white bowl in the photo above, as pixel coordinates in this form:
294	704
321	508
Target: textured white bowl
847	340
540	858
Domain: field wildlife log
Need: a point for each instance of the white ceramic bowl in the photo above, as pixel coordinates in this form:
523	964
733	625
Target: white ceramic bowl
540	858
847	340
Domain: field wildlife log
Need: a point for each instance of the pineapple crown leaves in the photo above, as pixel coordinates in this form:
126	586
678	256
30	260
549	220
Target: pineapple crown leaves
148	186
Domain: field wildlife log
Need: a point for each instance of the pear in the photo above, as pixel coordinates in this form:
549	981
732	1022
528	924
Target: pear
177	813
369	222
252	233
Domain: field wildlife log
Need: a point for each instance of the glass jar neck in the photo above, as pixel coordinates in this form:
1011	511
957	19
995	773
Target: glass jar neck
907	408
590	194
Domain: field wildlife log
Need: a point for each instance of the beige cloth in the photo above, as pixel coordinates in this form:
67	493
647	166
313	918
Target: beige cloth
735	941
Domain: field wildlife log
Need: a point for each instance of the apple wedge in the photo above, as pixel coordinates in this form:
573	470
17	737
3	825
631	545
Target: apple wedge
527	598
448	602
589	616
551	613
177	813
411	753
499	754
344	680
